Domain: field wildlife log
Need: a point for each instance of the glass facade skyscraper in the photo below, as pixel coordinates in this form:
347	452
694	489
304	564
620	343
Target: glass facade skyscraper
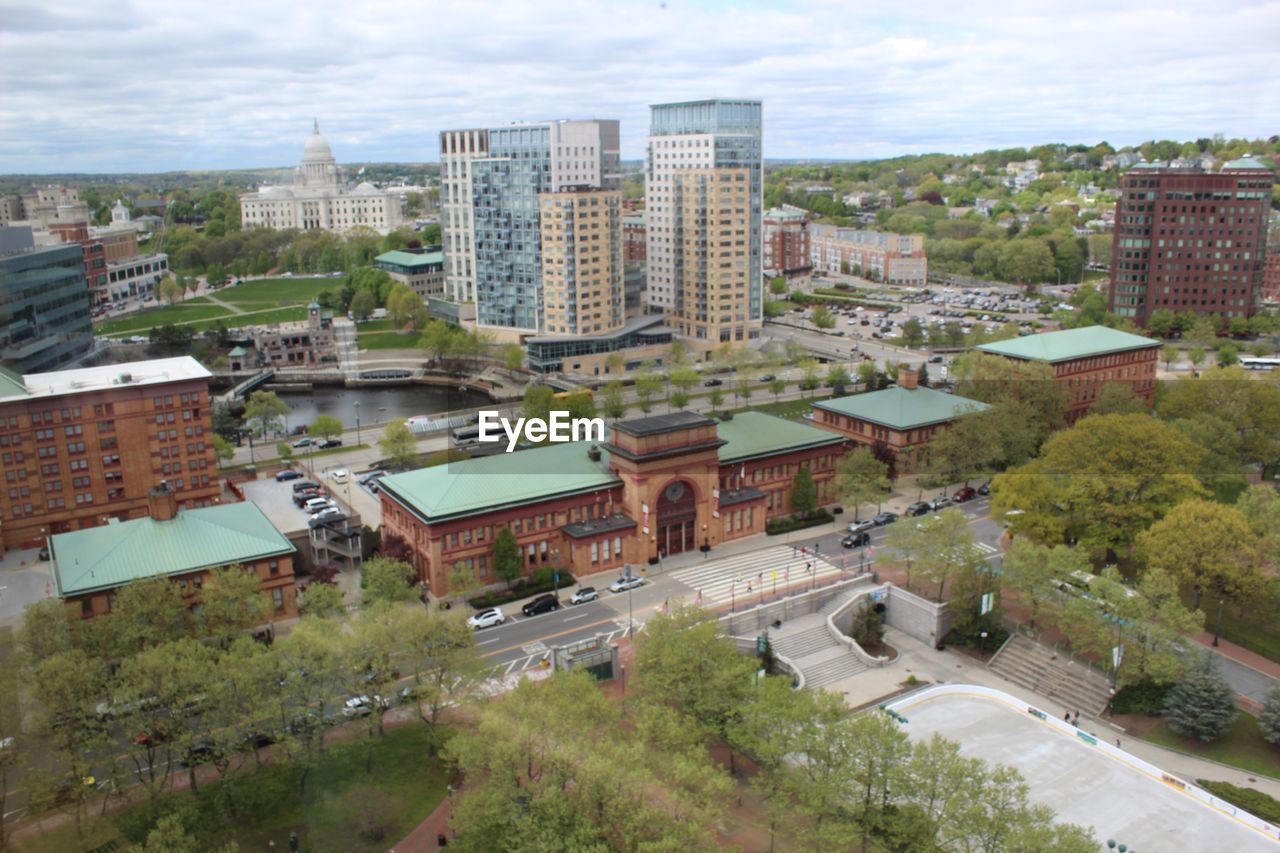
44	309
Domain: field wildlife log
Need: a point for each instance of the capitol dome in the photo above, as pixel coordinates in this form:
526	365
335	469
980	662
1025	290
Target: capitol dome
317	147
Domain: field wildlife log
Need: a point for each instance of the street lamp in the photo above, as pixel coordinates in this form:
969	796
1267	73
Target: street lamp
555	573
357	421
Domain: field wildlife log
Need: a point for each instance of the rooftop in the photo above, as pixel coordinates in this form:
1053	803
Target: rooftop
122	551
1243	163
411	259
85	379
657	424
752	434
902	408
1069	344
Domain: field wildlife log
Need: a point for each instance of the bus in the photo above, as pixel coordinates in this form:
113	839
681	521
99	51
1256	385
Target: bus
1255	363
564	395
465	437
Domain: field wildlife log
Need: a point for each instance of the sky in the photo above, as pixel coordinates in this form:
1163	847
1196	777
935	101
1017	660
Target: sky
159	85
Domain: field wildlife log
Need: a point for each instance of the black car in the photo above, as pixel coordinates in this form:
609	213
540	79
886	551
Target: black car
542	604
919	508
985	488
768	377
305	484
856	540
287	474
885	518
330	442
711	383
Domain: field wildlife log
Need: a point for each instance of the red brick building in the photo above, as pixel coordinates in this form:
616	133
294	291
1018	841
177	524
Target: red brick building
660	486
78	447
1270	290
634	237
1189	240
786	242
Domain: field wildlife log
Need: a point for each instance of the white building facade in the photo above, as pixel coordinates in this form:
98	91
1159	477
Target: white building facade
320	200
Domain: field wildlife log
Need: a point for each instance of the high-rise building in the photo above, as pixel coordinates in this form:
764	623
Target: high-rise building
79	447
582	266
44	304
704	195
492	182
1187	240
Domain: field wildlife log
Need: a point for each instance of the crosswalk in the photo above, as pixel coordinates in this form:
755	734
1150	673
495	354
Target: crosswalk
986	549
745	577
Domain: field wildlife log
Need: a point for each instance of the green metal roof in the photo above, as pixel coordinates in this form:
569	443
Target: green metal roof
1069	344
1243	163
752	434
123	551
412	260
11	384
901	408
238	352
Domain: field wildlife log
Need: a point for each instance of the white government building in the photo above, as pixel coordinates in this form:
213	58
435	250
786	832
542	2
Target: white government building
320	200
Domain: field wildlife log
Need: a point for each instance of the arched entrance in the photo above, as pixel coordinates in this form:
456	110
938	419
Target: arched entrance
677	519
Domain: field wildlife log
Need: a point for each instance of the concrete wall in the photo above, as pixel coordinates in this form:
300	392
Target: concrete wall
907	612
749	623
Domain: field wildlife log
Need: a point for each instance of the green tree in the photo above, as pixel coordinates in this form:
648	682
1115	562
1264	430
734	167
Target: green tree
362	305
321	600
309	670
838	378
1117	398
264	412
231	603
611	401
804	495
1026	261
716	398
285	452
579	404
325	426
11	734
1269	719
679	399
1260	506
1169	354
398	445
508	564
777	386
1203	704
1036	572
441	655
861	478
778	285
823	318
512	357
43	632
648	384
223	450
386	580
913	332
538	402
1208	547
405	307
147	613
947	548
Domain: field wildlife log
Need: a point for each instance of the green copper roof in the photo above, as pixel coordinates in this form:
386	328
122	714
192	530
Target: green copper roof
411	260
1069	344
123	551
1243	163
901	408
11	384
752	434
238	352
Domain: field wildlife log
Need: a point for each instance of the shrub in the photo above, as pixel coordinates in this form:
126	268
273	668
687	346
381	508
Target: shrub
774	526
540	582
1251	800
1141	697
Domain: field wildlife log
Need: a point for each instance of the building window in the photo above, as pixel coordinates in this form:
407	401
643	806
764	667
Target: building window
86	606
277	598
274	567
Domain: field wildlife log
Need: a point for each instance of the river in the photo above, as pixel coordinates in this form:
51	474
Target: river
377	405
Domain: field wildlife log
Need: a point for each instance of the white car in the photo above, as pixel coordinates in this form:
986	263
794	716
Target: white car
487	618
624	584
583	595
859	526
338	476
316	504
327	514
362	706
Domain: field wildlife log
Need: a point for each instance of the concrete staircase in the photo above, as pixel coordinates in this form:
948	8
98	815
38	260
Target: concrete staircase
807	643
1041	670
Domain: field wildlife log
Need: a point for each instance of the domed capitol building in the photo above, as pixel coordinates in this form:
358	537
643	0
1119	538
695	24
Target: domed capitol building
320	199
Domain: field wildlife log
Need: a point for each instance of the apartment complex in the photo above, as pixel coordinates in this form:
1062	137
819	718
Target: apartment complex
491	183
877	255
786	242
78	447
1270	291
582	263
704	190
1187	240
44	304
635	238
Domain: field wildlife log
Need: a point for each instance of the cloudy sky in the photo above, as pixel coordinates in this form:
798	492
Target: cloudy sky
153	85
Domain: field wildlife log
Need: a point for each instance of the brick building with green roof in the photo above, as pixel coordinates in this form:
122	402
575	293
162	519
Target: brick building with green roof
90	565
896	423
422	271
1084	360
658	485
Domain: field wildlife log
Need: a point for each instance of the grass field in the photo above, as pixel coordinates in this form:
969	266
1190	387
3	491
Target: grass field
403	789
388	340
1242	746
277	291
270	300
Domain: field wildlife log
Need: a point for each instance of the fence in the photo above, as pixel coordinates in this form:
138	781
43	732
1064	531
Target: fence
786	606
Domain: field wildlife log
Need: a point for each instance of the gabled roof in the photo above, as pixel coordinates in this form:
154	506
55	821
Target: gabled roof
1069	344
122	551
902	408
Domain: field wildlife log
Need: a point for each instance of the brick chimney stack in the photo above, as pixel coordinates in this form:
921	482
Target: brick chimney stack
162	504
908	377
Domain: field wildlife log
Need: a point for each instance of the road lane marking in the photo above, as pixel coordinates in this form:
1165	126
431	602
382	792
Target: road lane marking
579	616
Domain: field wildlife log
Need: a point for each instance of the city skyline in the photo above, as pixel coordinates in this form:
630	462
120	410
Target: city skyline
234	87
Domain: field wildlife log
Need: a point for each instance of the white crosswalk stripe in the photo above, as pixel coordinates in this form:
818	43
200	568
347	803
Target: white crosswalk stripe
748	575
987	549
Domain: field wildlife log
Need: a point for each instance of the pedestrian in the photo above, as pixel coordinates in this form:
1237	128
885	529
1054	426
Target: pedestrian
1117	741
1076	721
442	840
1067	716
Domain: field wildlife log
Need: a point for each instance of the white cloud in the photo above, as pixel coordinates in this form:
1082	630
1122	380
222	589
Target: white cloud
151	85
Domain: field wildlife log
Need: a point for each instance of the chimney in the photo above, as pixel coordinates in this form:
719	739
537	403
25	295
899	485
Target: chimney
908	378
162	504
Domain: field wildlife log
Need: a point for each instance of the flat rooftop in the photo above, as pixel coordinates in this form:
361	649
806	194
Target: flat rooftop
1117	794
1069	344
82	380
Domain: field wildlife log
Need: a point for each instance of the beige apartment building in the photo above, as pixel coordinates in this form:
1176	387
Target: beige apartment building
711	212
878	255
582	261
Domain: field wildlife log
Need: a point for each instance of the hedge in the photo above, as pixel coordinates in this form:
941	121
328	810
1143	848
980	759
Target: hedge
774	526
1141	697
541	581
1251	800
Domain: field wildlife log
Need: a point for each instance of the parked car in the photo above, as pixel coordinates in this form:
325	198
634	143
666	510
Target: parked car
331	513
885	518
919	508
363	706
44	553
985	488
712	382
369	476
542	604
200	752
305	441
305	484
940	501
966	493
339	475
583	595
768	377
301	498
317	504
936	359
864	524
329	442
487	618
624	584
288	474
856	540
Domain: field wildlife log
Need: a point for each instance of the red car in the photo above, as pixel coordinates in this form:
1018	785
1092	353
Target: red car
967	493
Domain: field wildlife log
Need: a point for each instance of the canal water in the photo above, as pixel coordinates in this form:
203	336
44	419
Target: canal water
377	406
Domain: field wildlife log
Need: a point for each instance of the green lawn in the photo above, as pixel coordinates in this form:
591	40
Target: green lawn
181	312
375	326
277	291
1242	746
793	409
341	799
387	340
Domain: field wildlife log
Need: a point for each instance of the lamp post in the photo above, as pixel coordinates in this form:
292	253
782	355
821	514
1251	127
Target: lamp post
357	421
555	573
